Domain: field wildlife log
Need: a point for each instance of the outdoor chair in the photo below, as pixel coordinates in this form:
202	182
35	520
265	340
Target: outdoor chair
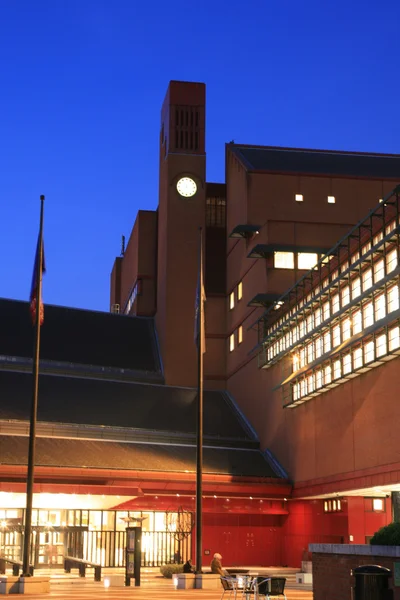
269	587
230	586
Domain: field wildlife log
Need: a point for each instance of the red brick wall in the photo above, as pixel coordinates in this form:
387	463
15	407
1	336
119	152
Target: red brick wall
331	574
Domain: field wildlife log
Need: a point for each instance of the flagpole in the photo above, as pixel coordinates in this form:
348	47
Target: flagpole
26	572
199	434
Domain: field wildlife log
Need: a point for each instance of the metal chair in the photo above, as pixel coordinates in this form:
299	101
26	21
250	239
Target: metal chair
269	587
230	586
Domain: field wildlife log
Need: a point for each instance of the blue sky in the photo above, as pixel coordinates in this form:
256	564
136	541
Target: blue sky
82	82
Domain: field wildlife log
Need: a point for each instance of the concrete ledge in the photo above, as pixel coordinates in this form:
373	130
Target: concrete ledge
207	581
359	549
24	585
185	581
304	578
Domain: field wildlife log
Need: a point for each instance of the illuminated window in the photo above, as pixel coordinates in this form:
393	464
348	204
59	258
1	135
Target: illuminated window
240	291
377	504
368	314
344	266
391	260
326	310
369	352
377	238
346	329
310	322
393	298
357	321
331	199
317	317
336	336
345	295
327	341
310	352
379	270
302	357
232	300
299	197
390	227
306	260
296	362
380	307
231	342
355	288
240	334
318	379
380	345
367	279
366	248
284	260
357	358
310	384
335	303
327	374
394	338
318	347
347	364
355	257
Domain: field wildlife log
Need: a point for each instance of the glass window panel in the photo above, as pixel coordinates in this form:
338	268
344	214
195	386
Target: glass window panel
327	341
296	362
366	248
337	369
368	314
347	364
394	338
302	357
335	303
284	260
240	291
357	321
327	374
379	270
303	387
232	342
367	279
318	379
355	288
325	283
369	351
232	300
310	384
377	238
310	352
318	347
310	323
335	274
307	260
345	295
381	345
391	260
390	227
355	257
295	393
336	336
358	358
393	298
326	310
317	317
240	334
346	329
380	307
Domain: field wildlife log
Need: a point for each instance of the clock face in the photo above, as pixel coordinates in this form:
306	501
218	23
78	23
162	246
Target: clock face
186	187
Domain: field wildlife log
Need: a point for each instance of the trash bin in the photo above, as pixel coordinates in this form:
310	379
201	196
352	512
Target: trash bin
372	583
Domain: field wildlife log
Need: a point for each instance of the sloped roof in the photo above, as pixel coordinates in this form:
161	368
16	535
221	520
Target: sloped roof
296	160
55	452
119	404
83	337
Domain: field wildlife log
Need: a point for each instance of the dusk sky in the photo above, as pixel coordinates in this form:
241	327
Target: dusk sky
82	82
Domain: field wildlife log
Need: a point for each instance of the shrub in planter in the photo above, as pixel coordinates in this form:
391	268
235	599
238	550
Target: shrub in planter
387	536
169	570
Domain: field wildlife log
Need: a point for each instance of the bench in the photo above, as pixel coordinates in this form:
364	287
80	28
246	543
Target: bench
15	564
70	562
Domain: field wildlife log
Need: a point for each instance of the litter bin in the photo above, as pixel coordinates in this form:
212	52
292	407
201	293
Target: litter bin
372	583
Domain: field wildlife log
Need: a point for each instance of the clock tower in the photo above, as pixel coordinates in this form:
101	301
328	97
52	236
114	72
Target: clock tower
181	212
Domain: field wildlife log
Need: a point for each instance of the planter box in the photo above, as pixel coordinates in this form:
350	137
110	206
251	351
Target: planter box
24	585
208	581
185	581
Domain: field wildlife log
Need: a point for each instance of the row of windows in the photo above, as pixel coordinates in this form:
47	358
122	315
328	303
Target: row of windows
236	293
295	260
136	291
362	316
366	248
300	198
232	338
356	358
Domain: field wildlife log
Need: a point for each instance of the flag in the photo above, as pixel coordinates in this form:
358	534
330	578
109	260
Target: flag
199	320
34	287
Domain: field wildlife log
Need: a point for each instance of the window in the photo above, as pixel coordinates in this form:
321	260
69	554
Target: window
391	260
367	279
393	298
326	310
336	336
327	341
380	345
377	504
299	197
355	288
318	347
380	307
378	237
284	260
357	321
335	303
240	291
240	334
346	329
366	248
369	352
331	199
232	300
337	369
346	364
310	352
394	338
317	317
379	270
357	358
318	379
231	342
306	260
345	295
327	374
368	314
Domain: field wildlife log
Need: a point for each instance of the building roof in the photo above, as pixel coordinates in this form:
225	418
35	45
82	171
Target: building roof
120	404
327	162
56	452
85	337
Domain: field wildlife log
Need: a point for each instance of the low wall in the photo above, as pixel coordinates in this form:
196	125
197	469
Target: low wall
332	565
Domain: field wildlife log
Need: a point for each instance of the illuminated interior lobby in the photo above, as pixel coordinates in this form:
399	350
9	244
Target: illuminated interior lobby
301	275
